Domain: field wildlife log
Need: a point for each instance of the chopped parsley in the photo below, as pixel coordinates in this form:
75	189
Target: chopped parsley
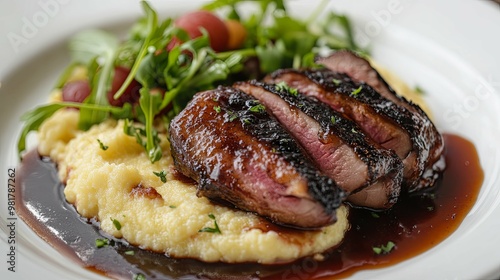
419	90
282	86
336	81
215	229
103	147
375	215
101	242
129	253
116	223
384	249
259	108
162	175
217	109
139	276
333	120
231	116
356	91
246	121
172	206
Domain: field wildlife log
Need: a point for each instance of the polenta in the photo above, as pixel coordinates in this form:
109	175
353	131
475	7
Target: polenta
109	177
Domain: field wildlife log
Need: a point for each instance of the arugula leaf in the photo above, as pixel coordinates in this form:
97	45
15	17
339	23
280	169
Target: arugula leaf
150	71
272	56
98	50
34	118
152	23
150	105
88	44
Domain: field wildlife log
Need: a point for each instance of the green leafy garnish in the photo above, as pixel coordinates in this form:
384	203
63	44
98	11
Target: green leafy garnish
336	82
356	91
116	223
139	276
103	147
419	90
169	75
283	86
172	206
258	108
33	119
97	49
142	139
384	249
162	175
129	253
333	120
215	229
231	116
101	242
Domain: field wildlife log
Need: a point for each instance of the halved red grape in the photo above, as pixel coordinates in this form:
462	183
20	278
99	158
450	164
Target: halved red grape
76	91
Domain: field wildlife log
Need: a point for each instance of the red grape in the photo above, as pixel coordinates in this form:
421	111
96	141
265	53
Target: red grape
131	93
216	28
76	91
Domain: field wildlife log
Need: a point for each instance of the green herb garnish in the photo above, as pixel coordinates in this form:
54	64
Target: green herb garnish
101	242
384	249
116	223
129	253
231	116
259	108
103	147
333	120
162	175
356	91
139	276
215	229
143	138
419	90
217	109
336	82
283	86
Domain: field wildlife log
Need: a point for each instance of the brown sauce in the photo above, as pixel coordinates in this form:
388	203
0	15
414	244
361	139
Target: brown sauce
416	224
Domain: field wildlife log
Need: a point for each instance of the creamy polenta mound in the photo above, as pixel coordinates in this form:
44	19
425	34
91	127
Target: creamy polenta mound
118	183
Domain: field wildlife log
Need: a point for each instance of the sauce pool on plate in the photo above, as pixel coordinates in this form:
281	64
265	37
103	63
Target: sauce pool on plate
415	224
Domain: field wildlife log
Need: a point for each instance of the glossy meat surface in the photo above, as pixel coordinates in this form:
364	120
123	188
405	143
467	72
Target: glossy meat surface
336	144
227	142
427	142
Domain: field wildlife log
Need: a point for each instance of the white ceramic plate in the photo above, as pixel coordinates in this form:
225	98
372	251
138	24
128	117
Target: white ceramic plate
449	48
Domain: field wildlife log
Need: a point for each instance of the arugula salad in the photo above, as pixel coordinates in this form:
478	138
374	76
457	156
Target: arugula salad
149	77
